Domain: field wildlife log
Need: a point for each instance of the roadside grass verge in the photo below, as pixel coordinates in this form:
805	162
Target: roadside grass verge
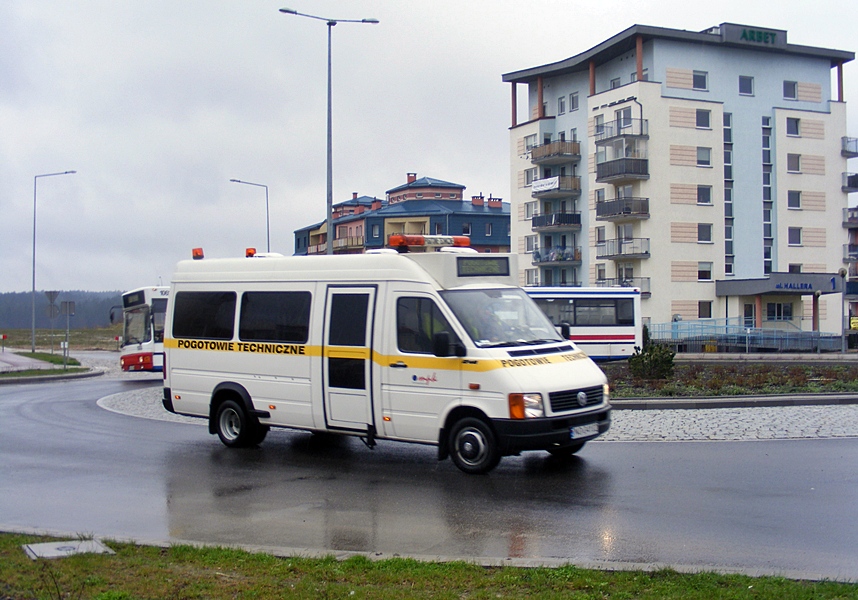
692	379
207	572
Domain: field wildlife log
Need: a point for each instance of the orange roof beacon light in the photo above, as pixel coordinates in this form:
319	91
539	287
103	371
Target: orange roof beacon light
403	242
197	253
249	252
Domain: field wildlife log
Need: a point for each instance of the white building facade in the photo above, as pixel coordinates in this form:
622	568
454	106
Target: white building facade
688	164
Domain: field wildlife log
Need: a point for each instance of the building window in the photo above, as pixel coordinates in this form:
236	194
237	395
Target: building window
746	85
703	118
794	163
793	126
561	105
794	236
704	233
529	209
573	133
794	199
530	175
600	195
790	90
615	83
529	243
376	231
644	77
573	101
704	156
599	124
795	269
488	230
704	309
779	311
466	229
600	272
700	80
600	235
529	142
704	271
531	277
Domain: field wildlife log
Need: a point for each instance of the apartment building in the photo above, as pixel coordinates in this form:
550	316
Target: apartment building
707	168
422	206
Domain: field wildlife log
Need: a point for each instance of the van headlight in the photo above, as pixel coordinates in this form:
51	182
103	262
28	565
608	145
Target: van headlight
526	406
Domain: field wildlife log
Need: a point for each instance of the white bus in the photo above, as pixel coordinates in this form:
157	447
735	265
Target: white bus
439	348
605	322
143	312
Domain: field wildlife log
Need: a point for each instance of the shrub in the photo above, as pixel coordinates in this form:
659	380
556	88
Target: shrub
655	362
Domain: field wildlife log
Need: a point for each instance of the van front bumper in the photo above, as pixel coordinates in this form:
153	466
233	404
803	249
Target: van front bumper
515	436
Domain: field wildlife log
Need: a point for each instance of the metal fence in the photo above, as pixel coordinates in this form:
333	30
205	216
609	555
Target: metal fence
731	335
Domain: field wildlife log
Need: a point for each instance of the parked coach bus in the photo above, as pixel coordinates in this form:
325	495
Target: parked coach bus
605	322
438	348
143	312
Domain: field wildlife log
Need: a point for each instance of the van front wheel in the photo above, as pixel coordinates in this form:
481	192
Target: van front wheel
234	427
473	447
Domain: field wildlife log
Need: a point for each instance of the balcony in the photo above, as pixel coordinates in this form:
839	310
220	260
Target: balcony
852	290
850	182
556	221
317	248
849	147
621	128
850	253
556	187
555	153
557	255
622	209
850	218
348	243
638	282
620	249
622	168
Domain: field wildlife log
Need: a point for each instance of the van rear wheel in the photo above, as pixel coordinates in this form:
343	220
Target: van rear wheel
234	427
473	446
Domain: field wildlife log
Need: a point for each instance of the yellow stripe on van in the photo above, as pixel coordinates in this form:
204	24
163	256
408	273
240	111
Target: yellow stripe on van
425	361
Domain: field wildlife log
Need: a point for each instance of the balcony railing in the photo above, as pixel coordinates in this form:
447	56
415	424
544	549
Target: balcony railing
348	242
849	147
850	217
850	182
622	168
622	208
317	249
557	152
556	221
555	187
556	284
638	282
623	248
850	253
556	254
621	127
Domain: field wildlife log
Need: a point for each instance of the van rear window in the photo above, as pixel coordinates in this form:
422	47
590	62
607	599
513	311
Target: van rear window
275	317
204	315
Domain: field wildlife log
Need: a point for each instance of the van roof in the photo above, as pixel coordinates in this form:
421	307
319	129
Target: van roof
436	268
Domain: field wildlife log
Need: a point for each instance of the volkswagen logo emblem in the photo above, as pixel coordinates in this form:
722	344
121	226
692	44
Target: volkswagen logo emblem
582	398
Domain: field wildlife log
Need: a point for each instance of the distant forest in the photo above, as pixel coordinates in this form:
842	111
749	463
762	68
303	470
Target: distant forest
91	309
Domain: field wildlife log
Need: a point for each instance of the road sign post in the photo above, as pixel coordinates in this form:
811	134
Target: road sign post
66	308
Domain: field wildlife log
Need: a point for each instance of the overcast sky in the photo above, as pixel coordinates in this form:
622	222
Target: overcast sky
157	104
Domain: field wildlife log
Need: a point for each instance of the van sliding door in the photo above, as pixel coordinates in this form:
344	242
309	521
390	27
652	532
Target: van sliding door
347	357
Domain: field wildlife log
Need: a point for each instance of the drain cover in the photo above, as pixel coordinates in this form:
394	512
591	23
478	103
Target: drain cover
67	548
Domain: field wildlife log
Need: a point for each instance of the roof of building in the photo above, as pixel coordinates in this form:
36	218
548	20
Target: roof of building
430	208
625	41
359	201
425	182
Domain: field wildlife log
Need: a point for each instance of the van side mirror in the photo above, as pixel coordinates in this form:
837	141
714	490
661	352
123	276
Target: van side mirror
565	330
441	345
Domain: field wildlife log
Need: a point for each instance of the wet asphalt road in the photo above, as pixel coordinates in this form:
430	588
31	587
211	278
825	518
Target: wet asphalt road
779	506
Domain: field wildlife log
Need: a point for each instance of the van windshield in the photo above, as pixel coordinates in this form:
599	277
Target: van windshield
501	317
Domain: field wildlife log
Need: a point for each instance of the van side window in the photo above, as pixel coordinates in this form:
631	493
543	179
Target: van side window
275	317
417	321
204	315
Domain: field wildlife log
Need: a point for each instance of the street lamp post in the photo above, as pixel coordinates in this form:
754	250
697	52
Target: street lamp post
267	214
33	296
329	247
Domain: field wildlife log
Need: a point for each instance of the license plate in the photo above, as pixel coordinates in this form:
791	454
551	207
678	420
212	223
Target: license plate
584	430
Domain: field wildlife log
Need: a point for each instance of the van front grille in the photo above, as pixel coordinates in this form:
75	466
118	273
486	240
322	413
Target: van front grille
568	399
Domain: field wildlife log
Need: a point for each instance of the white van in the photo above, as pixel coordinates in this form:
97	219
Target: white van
437	348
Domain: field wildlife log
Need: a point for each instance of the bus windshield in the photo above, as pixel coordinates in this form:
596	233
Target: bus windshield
500	317
136	328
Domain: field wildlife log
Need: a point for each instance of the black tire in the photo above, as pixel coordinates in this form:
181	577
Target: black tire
566	451
473	446
234	427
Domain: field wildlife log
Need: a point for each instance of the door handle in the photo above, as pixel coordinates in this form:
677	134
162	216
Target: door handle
399	365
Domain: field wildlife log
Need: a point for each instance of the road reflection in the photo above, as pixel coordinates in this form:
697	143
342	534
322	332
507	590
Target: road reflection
328	492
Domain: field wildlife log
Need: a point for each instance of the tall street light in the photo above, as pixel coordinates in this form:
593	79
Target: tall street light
33	296
267	217
329	247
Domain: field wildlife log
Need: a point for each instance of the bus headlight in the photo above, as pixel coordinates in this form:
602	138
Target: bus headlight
526	406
